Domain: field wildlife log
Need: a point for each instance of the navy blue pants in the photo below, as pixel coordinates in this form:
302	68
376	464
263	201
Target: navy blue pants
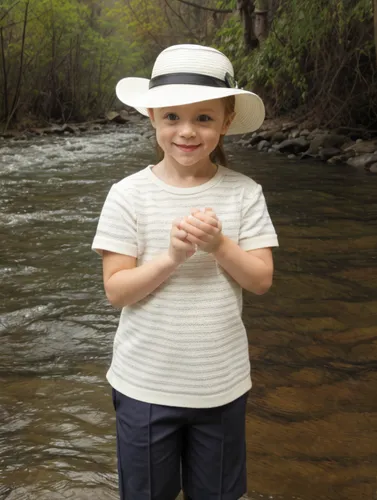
162	449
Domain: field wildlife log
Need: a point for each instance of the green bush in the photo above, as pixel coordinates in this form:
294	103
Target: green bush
319	57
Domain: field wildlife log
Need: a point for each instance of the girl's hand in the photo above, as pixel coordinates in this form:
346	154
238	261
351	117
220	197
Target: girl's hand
203	229
180	248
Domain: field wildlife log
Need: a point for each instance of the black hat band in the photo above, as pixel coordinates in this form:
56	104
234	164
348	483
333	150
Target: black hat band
189	79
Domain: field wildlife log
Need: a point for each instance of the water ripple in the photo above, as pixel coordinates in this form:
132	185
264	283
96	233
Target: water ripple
312	425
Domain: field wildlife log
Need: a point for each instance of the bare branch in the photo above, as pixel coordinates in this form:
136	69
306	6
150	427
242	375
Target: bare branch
181	19
143	27
7	12
217	11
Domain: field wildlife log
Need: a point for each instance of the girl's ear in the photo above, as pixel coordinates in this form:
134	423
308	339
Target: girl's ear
227	122
151	117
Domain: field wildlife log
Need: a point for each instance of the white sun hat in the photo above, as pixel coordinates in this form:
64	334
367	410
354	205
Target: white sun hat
184	74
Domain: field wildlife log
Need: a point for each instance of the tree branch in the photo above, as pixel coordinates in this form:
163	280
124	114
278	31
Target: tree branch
217	11
7	11
143	27
182	20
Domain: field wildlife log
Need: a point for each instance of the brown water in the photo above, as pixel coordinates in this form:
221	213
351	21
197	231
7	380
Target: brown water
312	419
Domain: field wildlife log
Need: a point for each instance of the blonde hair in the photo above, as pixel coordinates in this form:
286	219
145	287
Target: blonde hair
218	154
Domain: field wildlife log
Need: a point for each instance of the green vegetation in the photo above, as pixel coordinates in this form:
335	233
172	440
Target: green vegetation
318	55
60	59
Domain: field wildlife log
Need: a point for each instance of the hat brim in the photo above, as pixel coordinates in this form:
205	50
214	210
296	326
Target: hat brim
249	108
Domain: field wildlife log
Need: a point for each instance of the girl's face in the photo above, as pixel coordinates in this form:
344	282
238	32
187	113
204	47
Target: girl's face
188	134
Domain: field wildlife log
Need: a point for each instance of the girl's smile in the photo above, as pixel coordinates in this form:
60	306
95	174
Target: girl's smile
187	148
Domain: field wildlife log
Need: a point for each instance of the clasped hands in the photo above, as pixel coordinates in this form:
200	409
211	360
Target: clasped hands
200	230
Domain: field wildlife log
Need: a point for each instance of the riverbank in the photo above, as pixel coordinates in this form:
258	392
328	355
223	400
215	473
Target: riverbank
351	146
297	140
34	128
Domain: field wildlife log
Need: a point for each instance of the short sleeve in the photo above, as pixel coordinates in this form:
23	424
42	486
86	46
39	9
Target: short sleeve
257	230
116	230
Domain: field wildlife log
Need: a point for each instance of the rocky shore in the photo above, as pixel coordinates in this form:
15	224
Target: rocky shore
354	147
113	118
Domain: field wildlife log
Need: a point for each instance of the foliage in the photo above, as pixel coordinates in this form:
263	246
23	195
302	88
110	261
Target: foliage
61	59
319	55
68	61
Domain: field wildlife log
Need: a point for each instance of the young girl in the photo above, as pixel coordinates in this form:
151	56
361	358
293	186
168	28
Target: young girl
179	242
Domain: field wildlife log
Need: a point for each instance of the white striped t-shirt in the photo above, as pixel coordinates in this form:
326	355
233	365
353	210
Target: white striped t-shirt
184	344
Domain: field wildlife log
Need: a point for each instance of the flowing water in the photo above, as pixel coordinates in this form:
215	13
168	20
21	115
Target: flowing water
312	413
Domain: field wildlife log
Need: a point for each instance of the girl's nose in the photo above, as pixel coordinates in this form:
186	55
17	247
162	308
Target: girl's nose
187	130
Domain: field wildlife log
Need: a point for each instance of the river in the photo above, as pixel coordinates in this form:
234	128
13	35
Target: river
312	413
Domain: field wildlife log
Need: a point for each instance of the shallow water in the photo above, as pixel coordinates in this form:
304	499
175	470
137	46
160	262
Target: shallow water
312	413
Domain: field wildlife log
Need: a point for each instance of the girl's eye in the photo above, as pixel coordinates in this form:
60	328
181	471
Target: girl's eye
204	118
171	116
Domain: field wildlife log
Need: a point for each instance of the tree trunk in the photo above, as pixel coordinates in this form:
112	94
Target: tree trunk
246	10
261	25
273	6
5	76
375	26
19	79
